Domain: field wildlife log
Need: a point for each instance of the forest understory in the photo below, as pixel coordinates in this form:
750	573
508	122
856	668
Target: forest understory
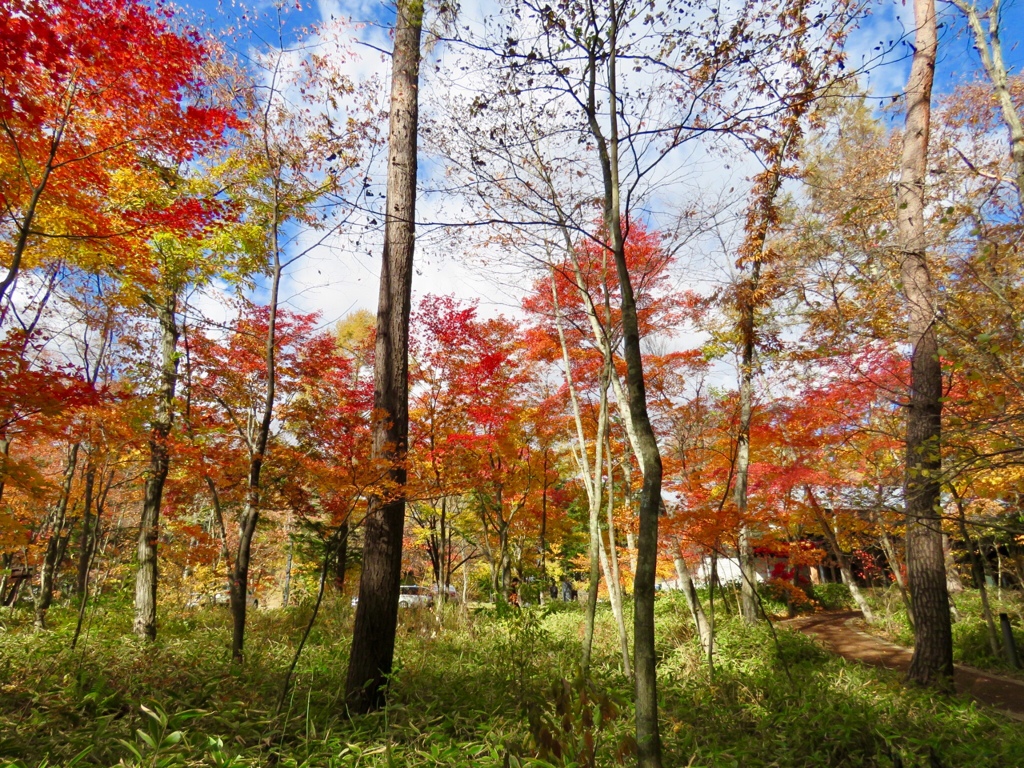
481	686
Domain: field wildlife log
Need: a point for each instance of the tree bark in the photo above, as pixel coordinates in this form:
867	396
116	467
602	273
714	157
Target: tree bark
748	594
979	577
591	479
700	619
841	557
55	545
990	48
932	662
286	586
340	557
615	577
88	542
897	574
373	637
612	575
648	736
159	463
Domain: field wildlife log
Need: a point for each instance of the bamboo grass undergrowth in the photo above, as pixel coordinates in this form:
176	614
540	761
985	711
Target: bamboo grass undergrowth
466	687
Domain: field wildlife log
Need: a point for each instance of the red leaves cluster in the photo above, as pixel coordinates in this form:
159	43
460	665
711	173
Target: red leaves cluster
92	91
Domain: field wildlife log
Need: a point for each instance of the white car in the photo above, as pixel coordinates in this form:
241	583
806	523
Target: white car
415	597
410	596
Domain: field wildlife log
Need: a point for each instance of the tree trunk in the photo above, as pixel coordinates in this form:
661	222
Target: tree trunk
614	577
990	48
5	566
953	583
648	737
595	488
748	576
979	578
897	574
841	557
238	582
286	586
748	595
373	637
700	619
159	464
57	542
631	547
932	663
615	598
340	557
88	542
544	531
592	585
591	479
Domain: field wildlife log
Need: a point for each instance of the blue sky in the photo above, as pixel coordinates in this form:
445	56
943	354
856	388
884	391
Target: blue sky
888	23
345	278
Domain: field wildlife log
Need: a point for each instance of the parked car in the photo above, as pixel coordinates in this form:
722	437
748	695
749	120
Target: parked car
220	597
410	596
415	597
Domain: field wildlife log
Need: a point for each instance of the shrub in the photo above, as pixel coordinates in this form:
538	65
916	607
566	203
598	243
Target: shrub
833	597
785	594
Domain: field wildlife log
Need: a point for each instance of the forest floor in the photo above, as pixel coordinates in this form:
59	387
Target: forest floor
843	633
470	689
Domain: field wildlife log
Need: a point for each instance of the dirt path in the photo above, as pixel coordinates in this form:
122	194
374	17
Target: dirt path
839	632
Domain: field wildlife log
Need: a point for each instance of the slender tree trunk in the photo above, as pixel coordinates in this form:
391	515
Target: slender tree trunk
286	586
615	598
591	479
55	545
986	564
953	583
631	547
858	597
700	619
341	557
5	449
979	577
373	637
238	582
990	48
159	463
5	565
896	565
648	736
84	593
24	226
748	596
841	557
614	578
596	488
544	532
999	572
88	542
932	662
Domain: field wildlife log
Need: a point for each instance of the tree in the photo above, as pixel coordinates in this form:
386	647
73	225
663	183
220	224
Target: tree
932	663
989	46
581	293
373	636
290	158
324	473
179	259
89	90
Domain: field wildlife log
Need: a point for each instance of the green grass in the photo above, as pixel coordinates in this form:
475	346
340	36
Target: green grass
970	635
465	691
